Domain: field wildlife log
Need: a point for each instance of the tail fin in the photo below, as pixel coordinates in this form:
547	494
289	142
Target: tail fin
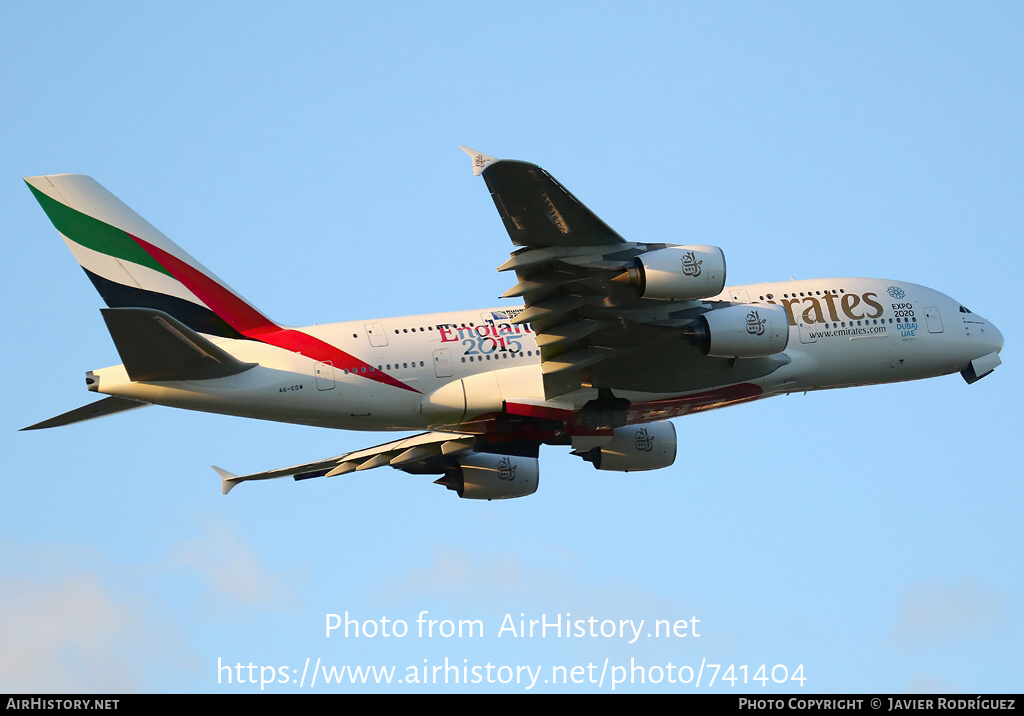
134	265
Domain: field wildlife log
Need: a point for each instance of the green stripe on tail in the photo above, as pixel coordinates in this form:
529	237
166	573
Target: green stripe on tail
94	234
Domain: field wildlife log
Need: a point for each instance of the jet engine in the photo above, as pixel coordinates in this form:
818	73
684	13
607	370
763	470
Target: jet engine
743	331
650	446
483	476
682	273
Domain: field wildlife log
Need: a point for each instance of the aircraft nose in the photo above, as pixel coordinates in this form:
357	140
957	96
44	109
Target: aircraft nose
992	337
988	341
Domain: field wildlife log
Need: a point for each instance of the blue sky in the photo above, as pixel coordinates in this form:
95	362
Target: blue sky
307	153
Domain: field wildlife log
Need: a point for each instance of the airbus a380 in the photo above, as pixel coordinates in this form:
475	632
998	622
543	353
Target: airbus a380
612	340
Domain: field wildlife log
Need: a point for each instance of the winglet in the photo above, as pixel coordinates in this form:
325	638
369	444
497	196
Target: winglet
227	480
480	160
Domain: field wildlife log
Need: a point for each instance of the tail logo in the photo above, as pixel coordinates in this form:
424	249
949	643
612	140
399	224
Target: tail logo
133	265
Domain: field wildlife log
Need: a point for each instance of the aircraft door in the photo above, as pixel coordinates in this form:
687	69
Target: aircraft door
375	332
807	335
442	363
933	319
324	375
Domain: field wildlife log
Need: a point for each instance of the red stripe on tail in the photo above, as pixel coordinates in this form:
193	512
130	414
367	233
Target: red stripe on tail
252	324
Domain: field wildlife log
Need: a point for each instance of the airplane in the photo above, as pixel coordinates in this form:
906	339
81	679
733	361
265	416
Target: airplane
613	339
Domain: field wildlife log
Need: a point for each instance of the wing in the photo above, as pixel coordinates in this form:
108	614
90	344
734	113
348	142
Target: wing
590	328
537	211
418	454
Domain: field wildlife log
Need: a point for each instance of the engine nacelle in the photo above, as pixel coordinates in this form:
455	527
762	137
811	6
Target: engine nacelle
650	446
483	476
746	331
682	273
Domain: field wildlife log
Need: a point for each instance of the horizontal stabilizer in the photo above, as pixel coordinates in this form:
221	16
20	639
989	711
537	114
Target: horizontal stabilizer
107	406
155	346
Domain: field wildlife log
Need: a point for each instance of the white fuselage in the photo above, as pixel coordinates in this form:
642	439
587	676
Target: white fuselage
843	332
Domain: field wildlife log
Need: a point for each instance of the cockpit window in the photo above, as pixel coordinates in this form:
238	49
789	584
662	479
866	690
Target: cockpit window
964	309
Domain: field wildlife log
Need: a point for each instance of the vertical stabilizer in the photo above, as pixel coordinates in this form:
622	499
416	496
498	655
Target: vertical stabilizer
132	264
